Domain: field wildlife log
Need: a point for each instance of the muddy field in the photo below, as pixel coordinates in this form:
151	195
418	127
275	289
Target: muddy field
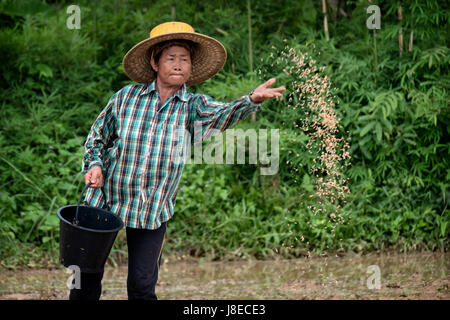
388	276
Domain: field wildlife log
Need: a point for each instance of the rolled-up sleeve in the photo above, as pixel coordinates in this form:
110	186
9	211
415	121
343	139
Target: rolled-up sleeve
210	117
99	136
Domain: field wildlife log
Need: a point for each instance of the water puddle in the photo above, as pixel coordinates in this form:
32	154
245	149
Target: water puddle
401	276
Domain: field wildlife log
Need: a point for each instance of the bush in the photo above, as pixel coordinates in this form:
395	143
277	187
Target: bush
394	111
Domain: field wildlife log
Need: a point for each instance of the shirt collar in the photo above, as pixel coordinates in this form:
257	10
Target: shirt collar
182	93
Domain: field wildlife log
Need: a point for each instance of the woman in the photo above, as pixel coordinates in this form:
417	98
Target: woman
130	148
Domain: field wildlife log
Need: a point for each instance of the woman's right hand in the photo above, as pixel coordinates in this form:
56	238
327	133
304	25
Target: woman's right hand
95	176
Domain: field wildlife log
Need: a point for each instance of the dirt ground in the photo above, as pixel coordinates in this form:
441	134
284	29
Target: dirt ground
418	276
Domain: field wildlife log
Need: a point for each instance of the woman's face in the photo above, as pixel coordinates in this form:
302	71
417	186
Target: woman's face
173	67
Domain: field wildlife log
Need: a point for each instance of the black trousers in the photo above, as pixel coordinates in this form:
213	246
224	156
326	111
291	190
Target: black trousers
144	260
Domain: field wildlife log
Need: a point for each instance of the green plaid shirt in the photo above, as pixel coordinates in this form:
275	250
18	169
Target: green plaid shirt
140	146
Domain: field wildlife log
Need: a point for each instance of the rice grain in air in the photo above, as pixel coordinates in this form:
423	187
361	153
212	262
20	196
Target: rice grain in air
312	97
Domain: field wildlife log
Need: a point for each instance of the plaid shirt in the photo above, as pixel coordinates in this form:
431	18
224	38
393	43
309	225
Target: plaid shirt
138	142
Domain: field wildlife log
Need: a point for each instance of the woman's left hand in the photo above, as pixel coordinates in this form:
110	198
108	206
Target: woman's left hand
263	91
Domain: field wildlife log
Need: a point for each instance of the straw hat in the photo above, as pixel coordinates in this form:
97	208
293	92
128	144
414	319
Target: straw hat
210	55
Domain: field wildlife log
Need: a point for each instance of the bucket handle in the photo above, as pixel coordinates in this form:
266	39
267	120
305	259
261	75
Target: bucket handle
105	206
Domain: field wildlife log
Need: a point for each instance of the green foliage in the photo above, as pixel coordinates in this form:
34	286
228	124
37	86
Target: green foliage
394	110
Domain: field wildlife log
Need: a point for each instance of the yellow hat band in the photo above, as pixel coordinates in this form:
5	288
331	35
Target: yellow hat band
170	27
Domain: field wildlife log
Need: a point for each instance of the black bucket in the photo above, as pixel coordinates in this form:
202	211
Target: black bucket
86	235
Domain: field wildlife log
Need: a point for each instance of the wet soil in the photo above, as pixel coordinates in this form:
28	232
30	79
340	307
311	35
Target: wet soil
401	276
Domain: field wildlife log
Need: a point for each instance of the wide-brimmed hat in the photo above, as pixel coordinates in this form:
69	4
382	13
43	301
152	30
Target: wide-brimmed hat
209	56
